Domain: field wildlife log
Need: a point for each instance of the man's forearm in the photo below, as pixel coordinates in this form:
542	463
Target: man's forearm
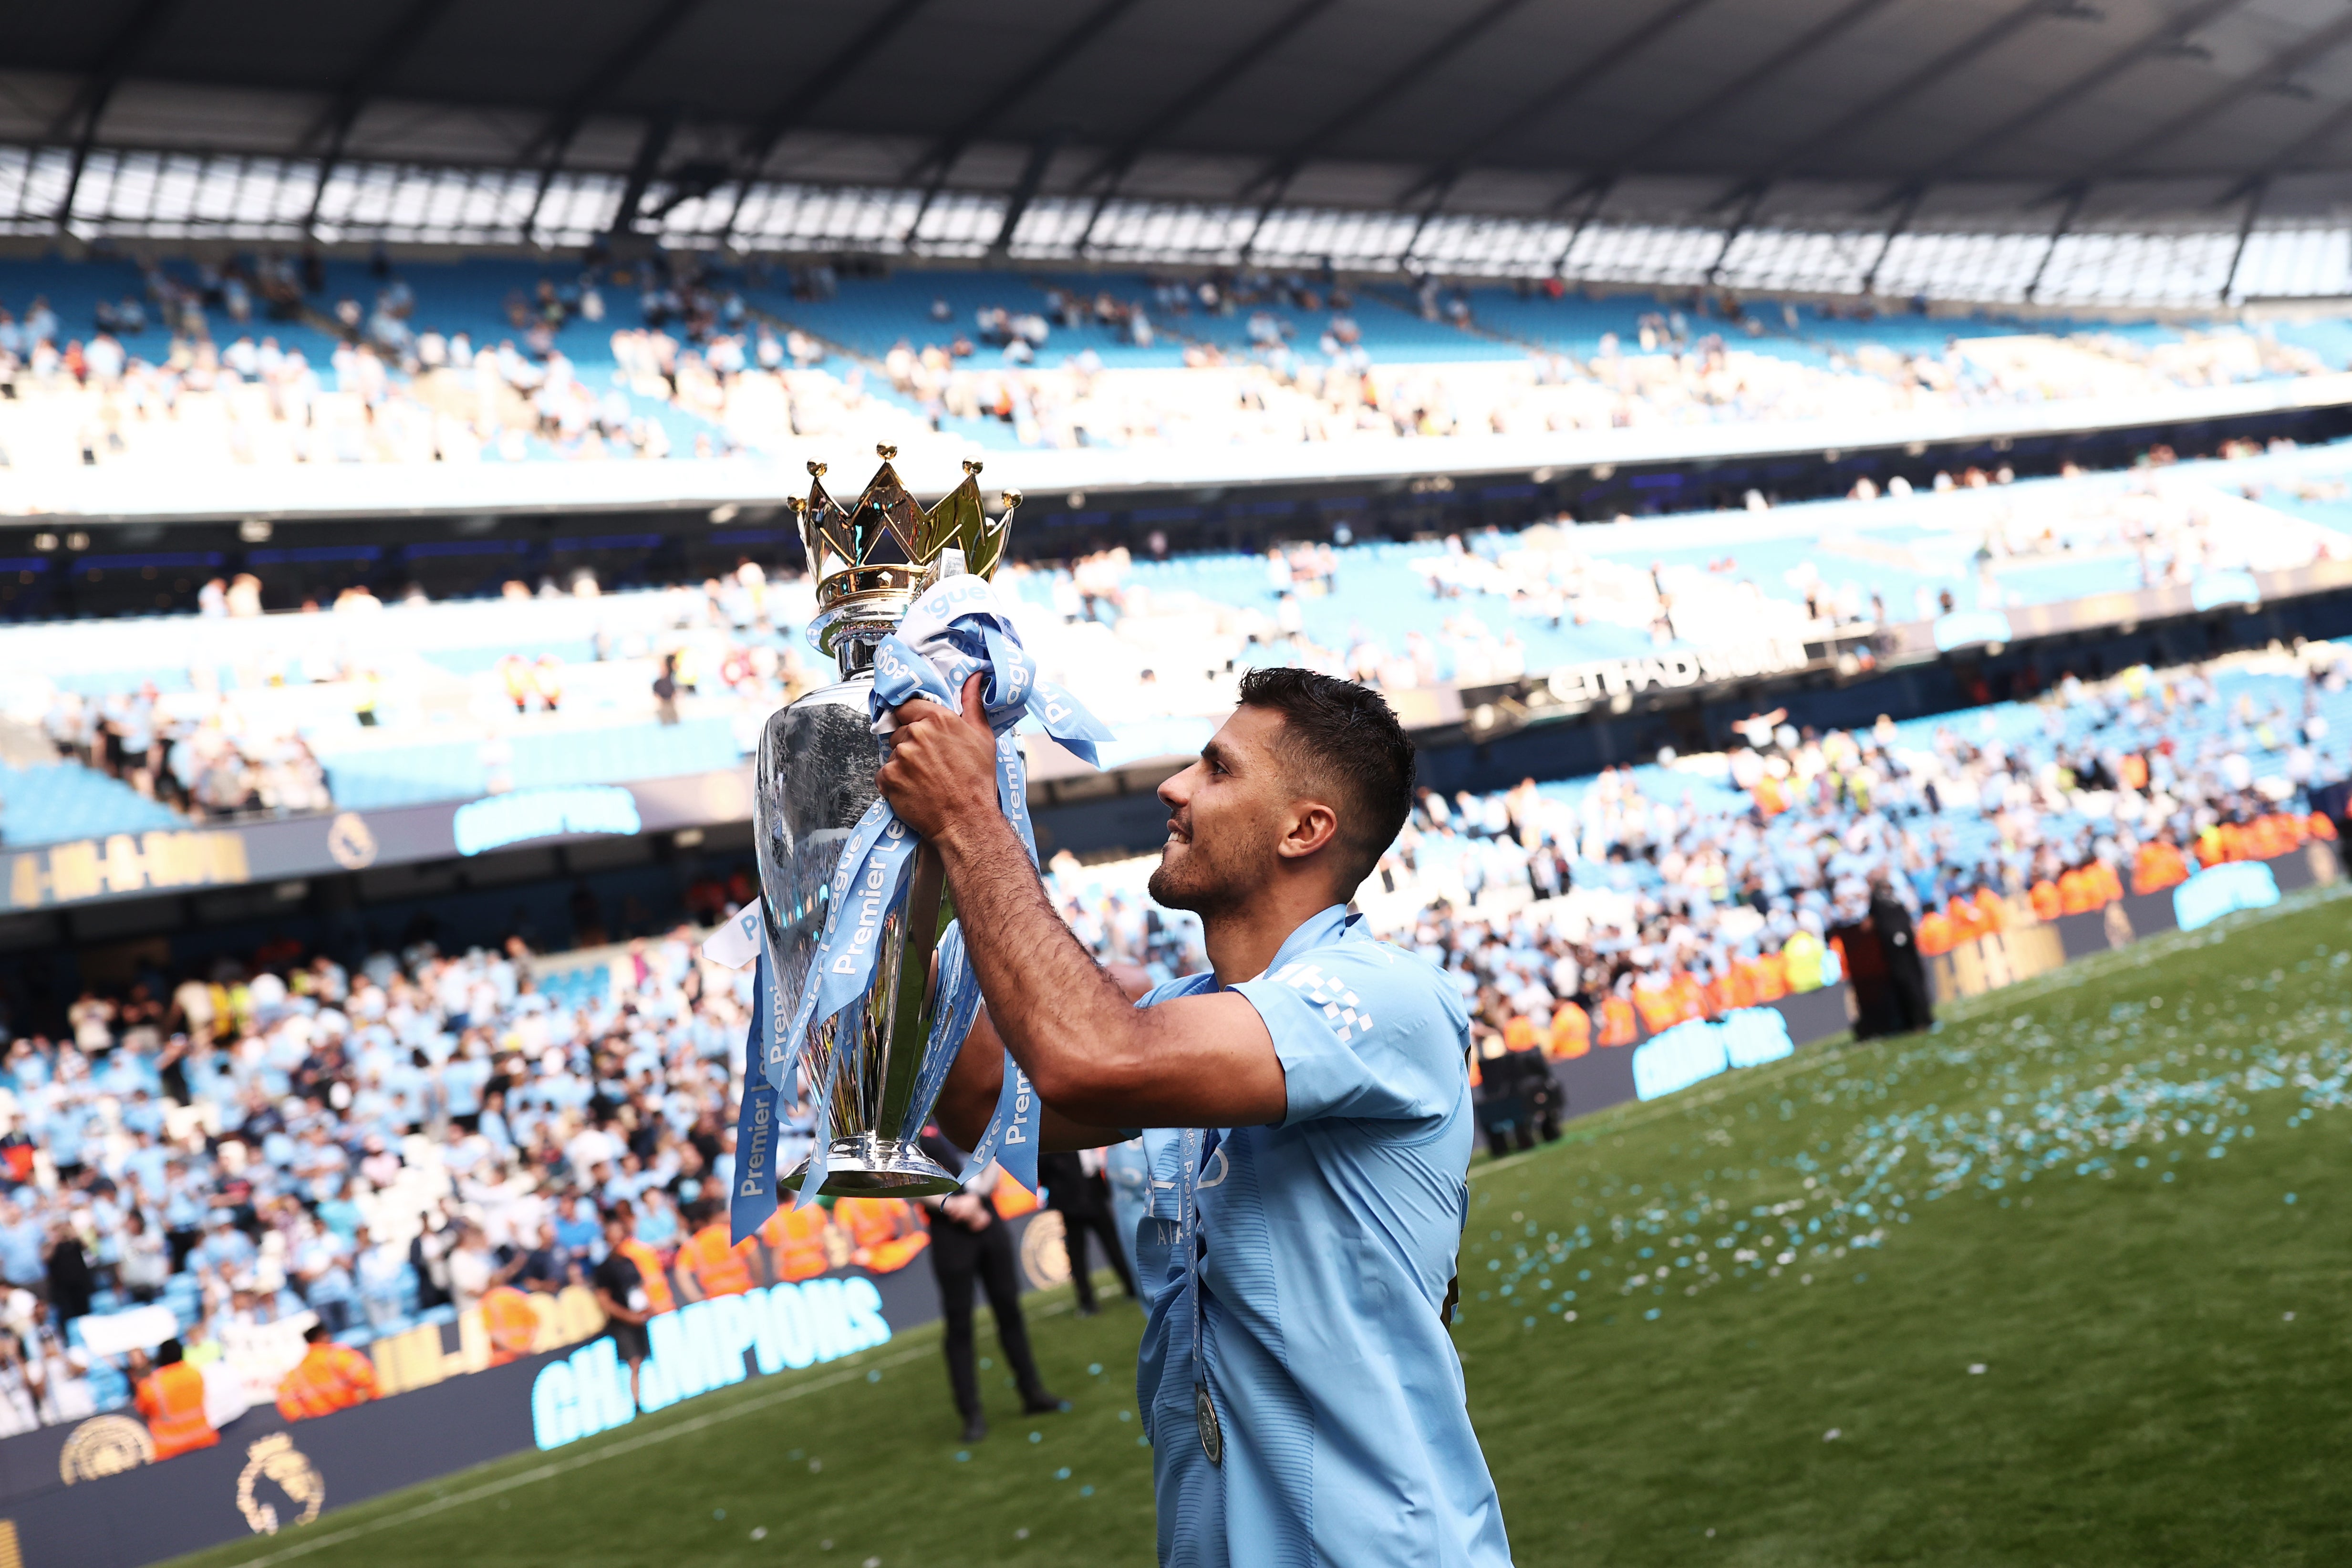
1065	1019
968	1097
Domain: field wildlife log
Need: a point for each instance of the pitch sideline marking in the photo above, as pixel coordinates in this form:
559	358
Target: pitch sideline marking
559	1467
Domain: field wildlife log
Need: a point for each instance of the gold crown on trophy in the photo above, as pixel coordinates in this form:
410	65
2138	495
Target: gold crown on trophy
872	558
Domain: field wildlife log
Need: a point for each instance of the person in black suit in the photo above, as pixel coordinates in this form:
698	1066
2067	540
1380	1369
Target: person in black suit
1076	1189
968	1243
1898	943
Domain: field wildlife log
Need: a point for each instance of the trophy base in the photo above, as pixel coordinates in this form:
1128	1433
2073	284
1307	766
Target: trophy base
872	1167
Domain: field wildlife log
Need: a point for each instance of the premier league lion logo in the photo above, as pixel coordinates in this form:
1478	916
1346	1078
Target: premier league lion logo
277	1461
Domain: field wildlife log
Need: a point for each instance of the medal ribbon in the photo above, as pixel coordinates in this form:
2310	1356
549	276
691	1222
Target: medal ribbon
1188	1240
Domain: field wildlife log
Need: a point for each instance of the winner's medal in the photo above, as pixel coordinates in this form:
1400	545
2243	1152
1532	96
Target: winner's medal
1204	1414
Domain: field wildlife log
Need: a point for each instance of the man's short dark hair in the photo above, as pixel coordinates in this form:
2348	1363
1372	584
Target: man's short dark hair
1344	739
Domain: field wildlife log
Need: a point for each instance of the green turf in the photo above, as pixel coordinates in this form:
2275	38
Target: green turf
2065	1286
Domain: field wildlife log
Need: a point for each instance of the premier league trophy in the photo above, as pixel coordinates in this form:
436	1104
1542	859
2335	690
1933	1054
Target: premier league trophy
815	781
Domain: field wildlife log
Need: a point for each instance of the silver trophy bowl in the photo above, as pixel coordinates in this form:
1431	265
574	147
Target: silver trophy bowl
816	779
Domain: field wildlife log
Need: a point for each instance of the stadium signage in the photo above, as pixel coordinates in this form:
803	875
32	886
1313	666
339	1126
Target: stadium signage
498	820
126	863
133	864
2223	889
1695	1050
1607	678
702	1347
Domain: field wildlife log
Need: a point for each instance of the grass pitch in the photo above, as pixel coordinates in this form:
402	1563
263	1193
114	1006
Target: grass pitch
2063	1282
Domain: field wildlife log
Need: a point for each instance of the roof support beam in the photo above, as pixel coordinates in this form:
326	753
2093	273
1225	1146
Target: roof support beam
2245	232
645	165
88	106
793	108
2155	44
1903	216
2284	160
1032	175
1901	94
384	57
812	89
1115	164
1448	170
2065	221
555	137
941	155
1599	187
1274	177
2274	73
1771	68
1737	227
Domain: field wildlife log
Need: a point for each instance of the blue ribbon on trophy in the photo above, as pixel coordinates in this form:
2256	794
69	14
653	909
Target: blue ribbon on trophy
751	1196
957	629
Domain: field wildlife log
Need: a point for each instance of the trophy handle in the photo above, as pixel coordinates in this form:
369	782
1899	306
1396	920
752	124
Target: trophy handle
917	993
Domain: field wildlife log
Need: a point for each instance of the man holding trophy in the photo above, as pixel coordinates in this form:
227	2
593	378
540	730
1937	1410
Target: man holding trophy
1304	1107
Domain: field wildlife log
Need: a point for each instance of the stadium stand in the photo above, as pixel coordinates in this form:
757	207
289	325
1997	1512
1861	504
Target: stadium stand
261	360
383	1145
371	705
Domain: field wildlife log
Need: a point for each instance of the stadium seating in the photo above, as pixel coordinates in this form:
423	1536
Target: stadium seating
1247	359
48	805
1469	612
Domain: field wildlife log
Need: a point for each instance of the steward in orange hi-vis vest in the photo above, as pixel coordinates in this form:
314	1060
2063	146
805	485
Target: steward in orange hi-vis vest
329	1377
172	1398
1572	1031
887	1233
1935	934
512	1325
707	1265
794	1235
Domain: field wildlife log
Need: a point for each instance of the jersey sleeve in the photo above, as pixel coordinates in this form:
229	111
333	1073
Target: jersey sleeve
1362	1031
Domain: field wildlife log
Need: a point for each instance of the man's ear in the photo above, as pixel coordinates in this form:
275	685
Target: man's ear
1313	824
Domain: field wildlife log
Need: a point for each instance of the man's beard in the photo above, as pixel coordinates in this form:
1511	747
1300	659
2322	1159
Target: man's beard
1208	886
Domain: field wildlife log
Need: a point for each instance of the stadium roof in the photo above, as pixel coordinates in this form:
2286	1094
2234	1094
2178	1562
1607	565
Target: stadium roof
1127	128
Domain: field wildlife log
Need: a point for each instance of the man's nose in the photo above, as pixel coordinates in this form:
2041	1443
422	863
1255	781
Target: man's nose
1176	791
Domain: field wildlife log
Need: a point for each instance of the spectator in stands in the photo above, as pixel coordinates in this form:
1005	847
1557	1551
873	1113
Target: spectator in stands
145	1261
473	1269
70	1281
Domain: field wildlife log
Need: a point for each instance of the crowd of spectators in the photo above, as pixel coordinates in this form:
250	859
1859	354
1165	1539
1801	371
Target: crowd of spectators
382	1144
194	752
1264	358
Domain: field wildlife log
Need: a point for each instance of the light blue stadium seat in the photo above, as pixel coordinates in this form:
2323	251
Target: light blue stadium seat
51	805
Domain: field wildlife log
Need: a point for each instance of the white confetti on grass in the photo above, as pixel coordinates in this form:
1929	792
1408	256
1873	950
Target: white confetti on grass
2063	1092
